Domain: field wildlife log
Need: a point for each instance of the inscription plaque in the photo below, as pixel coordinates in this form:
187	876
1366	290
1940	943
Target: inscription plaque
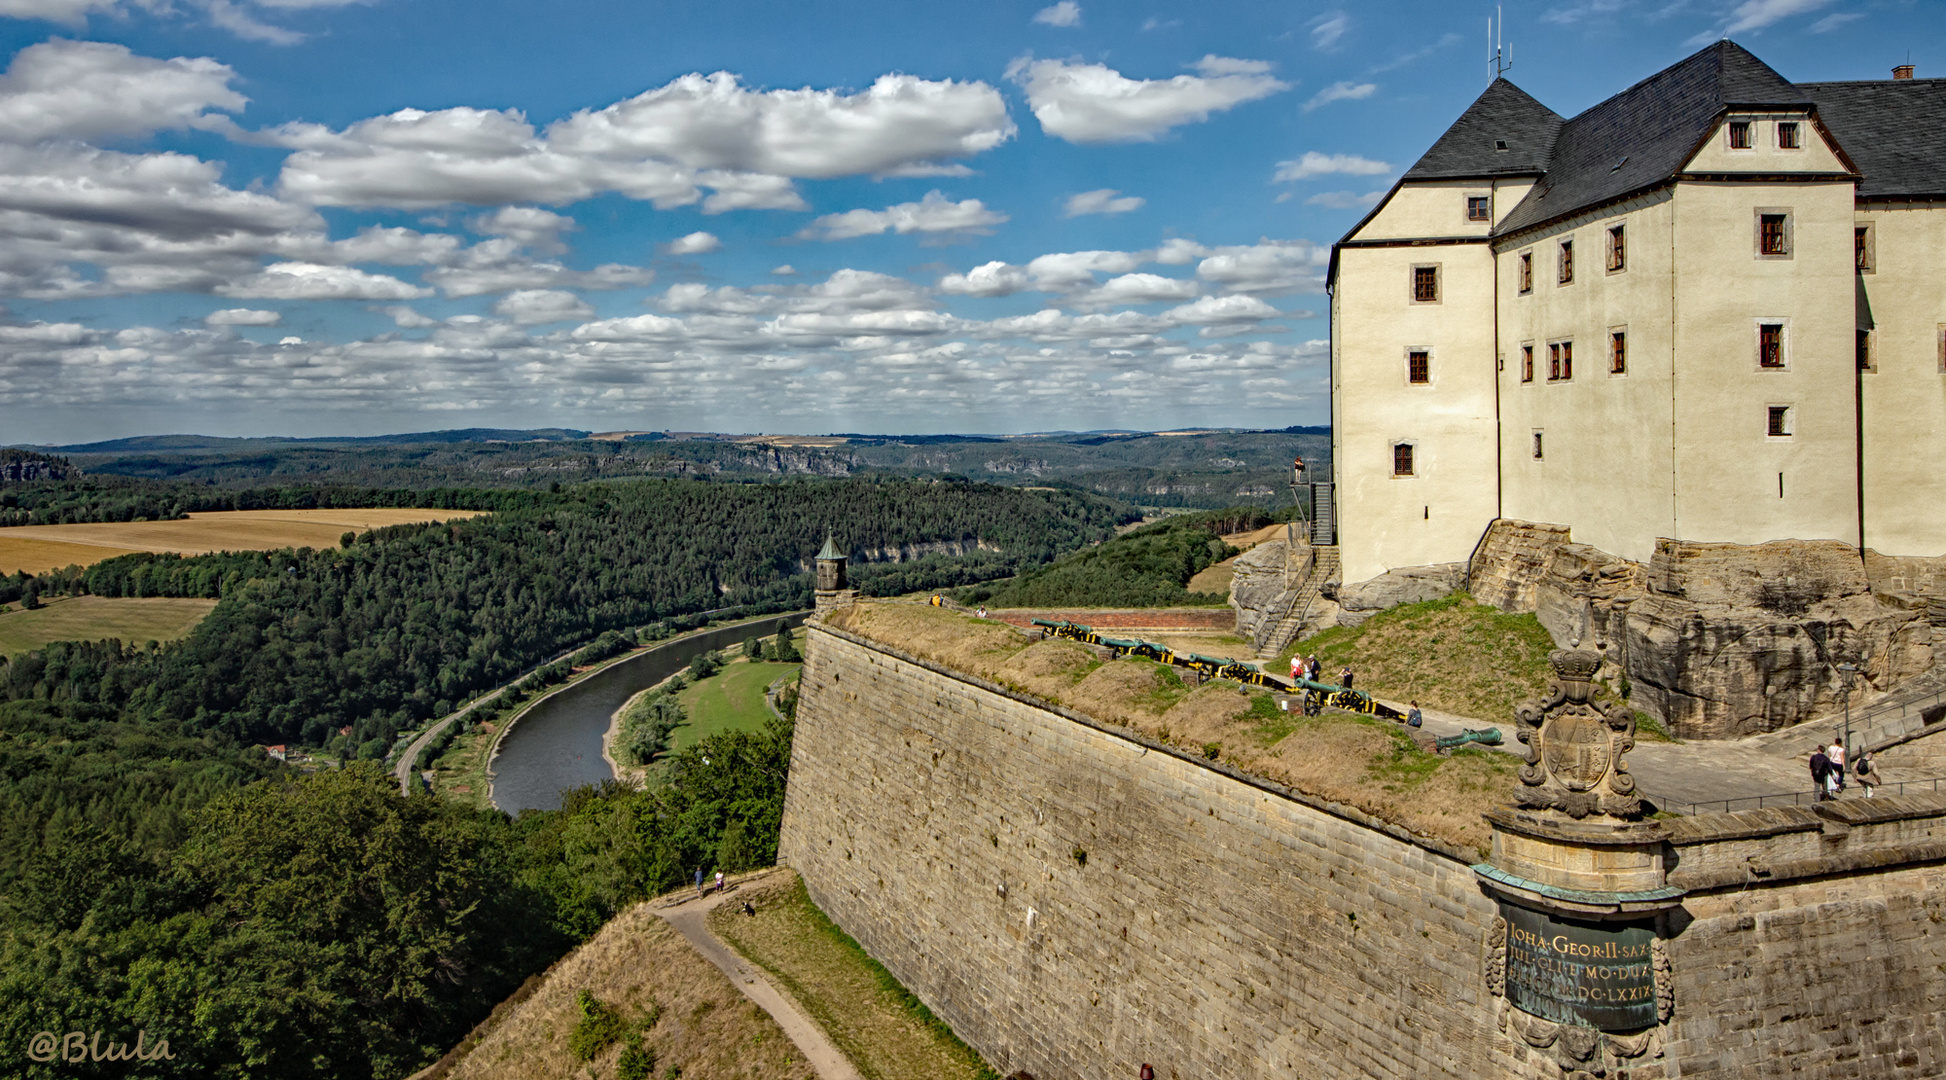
1587	974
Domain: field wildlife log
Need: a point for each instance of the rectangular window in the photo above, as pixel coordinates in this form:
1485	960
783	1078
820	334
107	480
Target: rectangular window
1617	248
1770	345
1862	248
1418	367
1772	237
1402	459
1527	363
1787	136
1567	262
1780	421
1425	284
1476	208
1739	134
1537	446
1865	360
1526	271
1617	352
1560	361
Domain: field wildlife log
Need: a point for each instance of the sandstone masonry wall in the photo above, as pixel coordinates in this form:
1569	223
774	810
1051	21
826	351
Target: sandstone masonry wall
1075	901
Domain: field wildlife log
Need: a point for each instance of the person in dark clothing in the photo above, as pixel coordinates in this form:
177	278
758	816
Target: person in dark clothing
1820	771
1344	679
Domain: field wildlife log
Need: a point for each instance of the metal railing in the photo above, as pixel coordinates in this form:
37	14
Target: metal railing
1784	798
1879	728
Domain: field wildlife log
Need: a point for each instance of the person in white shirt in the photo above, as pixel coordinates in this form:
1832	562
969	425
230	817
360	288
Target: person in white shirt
1836	752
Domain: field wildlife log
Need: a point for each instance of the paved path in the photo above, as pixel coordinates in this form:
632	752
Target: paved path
690	918
1686	772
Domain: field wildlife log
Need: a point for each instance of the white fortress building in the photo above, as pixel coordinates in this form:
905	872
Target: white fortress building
1710	309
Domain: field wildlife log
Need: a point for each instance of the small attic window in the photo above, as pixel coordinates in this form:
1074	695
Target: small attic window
1500	144
1619	163
1739	134
1787	138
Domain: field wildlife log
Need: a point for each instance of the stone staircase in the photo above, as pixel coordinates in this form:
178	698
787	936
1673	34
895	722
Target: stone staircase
1273	634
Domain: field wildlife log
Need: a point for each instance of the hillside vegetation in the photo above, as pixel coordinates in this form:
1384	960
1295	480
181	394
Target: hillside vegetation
1145	567
1451	654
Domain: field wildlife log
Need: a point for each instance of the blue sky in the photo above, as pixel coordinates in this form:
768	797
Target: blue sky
303	217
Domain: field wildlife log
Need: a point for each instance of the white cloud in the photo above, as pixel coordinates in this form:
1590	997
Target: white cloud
1834	21
987	279
91	90
1222	310
696	243
1065	270
1345	200
1266	268
1327	29
786	270
1757	14
934	214
408	319
1340	91
243	317
1065	13
713	122
1574	13
529	226
1316	164
310	281
1135	289
236	16
1179	251
1093	103
66	12
1102	201
665	146
530	307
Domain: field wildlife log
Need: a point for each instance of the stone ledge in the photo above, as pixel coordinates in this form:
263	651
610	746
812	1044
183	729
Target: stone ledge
1760	873
1779	820
1351	814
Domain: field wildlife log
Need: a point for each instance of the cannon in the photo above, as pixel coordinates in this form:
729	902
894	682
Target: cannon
1483	736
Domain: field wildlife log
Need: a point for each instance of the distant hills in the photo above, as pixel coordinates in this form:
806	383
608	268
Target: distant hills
1195	468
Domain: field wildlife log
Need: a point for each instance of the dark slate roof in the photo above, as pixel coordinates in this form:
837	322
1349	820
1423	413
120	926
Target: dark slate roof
1470	148
1643	135
1891	129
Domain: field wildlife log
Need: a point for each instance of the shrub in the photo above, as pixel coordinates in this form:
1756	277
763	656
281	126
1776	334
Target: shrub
599	1027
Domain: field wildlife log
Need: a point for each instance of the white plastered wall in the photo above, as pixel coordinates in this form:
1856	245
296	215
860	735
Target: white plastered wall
1726	467
1437	514
1606	469
1814	153
1905	398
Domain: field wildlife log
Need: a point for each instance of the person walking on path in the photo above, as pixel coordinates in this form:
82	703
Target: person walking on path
1821	772
1867	773
699	883
1836	754
1413	717
719	881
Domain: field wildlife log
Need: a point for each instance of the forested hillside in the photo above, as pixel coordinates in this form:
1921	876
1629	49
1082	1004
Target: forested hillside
158	872
1202	469
1145	567
397	626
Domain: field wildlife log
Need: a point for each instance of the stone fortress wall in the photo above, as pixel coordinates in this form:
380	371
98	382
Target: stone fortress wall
1076	900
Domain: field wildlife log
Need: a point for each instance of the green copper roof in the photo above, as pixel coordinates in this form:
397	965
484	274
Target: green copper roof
830	549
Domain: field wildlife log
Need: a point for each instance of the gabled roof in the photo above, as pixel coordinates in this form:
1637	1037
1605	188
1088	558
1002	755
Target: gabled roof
1504	115
1891	128
1643	135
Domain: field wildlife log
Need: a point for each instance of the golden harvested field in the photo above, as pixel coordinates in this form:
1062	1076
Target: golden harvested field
92	618
40	548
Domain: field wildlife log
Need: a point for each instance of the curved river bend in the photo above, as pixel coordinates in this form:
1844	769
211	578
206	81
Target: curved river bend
556	745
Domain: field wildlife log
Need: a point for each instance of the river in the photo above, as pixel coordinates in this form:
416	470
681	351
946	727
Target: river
557	744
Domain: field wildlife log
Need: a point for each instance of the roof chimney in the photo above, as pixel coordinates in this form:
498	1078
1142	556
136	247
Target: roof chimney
1903	71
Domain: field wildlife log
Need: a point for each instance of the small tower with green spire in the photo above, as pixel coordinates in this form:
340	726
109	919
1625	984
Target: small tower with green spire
832	589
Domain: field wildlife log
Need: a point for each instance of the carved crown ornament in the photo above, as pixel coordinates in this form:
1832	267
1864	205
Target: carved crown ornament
1575	746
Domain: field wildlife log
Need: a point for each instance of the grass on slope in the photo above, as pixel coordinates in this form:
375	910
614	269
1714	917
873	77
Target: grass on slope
680	1005
92	618
885	1031
1451	654
1370	764
730	700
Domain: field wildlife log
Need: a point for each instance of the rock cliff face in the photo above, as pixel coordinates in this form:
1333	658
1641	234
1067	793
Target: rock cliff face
1266	577
1724	640
22	466
1405	585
